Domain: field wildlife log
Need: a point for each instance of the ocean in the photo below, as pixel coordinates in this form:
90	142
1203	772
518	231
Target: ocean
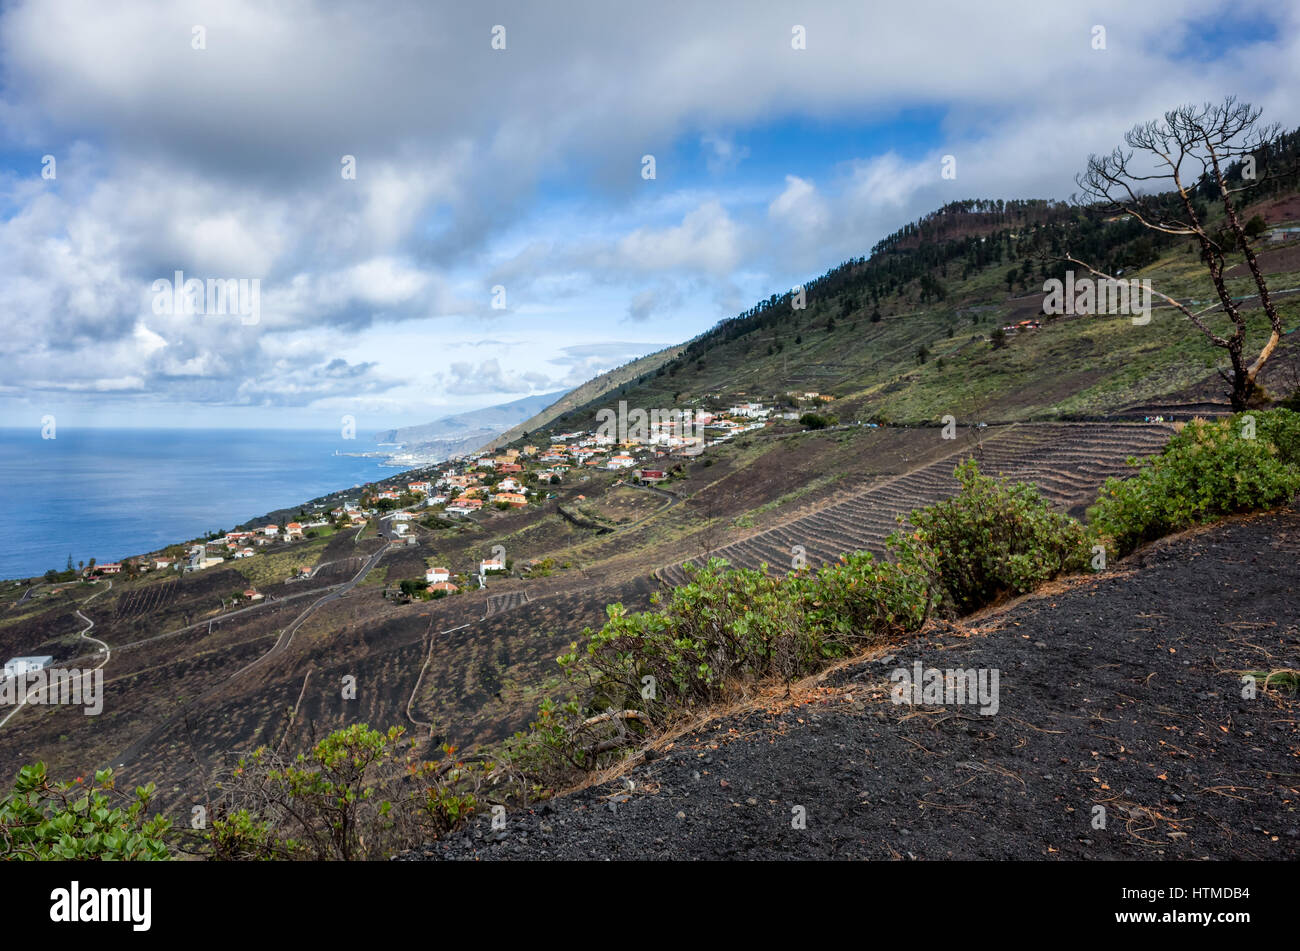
111	493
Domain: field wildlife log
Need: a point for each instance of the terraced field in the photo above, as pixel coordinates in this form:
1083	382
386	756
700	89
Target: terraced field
1067	461
499	603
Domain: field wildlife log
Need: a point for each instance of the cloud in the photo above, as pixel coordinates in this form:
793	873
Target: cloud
723	154
706	240
520	167
652	300
488	376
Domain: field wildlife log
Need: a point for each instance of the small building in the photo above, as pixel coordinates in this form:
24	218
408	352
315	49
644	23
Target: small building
491	564
434	575
446	586
651	475
17	666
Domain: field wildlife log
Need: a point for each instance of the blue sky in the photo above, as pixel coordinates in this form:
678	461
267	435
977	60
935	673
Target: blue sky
518	168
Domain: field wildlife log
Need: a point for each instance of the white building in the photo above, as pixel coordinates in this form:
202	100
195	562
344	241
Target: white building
434	575
17	666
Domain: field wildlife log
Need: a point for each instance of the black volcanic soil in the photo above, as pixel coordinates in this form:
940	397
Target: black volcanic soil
1122	691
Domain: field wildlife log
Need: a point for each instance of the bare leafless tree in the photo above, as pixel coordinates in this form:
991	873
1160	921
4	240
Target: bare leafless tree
1189	147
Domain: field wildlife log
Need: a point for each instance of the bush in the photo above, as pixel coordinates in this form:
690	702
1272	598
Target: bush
43	820
718	636
728	629
994	539
858	602
357	794
1207	470
816	421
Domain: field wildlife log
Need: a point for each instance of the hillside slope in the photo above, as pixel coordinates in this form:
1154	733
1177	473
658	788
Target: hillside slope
908	333
464	432
1121	692
594	389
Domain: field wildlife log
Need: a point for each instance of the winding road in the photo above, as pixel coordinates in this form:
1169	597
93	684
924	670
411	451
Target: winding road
85	635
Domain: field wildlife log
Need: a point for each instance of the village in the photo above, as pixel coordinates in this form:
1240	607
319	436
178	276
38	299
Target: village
468	486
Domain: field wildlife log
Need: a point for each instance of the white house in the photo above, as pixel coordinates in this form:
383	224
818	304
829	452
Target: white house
17	666
434	575
492	564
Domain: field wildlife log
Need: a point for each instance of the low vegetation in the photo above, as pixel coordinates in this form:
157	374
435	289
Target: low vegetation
995	539
1208	470
729	631
721	637
42	819
359	793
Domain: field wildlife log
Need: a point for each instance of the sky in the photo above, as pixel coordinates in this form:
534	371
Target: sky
500	234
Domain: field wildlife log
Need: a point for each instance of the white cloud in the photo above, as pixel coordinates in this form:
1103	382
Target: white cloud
521	168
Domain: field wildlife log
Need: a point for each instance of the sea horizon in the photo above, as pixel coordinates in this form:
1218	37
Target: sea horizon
114	492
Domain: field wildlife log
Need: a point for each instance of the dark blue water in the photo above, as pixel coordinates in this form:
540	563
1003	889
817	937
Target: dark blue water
111	493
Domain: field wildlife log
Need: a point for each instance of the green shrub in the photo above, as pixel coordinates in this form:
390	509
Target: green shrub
724	626
816	421
728	629
554	747
357	794
1281	427
993	539
1207	470
43	820
857	602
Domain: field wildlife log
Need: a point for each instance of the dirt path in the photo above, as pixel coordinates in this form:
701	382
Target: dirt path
1120	693
281	644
